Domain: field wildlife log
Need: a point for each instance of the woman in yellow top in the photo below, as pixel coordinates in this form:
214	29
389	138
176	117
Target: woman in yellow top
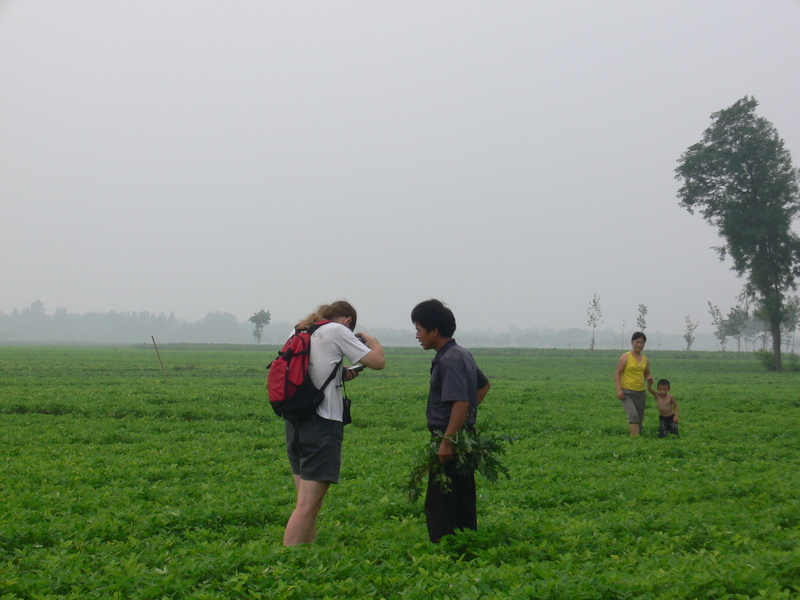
633	370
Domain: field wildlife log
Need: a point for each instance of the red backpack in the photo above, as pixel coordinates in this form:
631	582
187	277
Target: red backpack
291	392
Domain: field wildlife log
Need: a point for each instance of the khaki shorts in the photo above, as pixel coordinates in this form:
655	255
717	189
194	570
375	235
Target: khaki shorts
634	404
314	447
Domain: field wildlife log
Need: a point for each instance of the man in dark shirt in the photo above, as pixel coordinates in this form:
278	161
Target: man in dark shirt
457	387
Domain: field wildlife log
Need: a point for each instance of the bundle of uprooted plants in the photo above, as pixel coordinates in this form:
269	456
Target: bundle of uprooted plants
475	451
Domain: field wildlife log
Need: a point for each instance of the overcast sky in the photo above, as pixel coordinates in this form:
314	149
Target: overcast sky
511	158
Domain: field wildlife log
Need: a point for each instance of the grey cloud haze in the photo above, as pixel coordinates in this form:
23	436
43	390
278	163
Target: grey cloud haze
509	158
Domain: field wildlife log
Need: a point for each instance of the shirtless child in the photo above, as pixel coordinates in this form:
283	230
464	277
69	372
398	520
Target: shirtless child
667	408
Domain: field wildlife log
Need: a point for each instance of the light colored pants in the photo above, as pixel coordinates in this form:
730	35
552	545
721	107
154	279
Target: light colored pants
634	404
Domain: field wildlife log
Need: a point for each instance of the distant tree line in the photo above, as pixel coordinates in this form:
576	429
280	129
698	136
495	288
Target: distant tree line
749	327
33	324
752	327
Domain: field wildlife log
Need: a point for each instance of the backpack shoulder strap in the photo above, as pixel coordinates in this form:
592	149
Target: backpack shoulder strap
317	325
331	376
311	330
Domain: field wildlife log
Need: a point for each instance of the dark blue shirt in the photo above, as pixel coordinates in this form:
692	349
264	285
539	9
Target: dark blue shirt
454	378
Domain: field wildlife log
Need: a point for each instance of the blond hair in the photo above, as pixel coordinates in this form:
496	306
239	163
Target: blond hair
340	308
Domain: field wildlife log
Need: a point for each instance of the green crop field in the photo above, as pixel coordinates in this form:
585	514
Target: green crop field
118	484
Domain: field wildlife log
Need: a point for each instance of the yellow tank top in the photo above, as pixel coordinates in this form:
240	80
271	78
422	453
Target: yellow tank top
633	374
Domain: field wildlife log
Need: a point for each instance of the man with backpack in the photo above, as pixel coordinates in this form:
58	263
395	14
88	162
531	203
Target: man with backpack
314	443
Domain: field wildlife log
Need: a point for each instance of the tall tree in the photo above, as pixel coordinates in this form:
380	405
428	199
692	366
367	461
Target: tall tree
792	320
595	313
259	319
688	335
736	324
720	325
641	324
741	179
754	329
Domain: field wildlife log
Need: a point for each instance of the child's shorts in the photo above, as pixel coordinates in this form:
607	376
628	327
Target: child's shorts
667	425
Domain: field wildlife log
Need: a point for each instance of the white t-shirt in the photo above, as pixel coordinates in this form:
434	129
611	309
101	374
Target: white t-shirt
329	344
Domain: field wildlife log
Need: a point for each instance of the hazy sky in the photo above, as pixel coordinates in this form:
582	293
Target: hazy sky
512	158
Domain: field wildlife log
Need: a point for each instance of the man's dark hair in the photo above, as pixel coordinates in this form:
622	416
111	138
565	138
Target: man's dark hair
663	382
433	314
638	335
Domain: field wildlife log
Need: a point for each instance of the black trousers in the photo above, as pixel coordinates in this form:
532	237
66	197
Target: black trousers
667	425
457	509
